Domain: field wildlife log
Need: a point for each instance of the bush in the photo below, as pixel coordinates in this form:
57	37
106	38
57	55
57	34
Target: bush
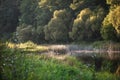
25	33
108	33
13	64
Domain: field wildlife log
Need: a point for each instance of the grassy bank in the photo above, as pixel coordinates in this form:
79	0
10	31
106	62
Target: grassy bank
24	64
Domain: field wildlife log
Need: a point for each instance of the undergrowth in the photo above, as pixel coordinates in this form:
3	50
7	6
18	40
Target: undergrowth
17	65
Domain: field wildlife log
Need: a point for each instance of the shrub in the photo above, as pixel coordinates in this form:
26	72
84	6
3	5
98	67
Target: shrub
25	33
108	33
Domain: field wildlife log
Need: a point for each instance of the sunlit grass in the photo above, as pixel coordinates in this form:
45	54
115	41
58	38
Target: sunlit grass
28	46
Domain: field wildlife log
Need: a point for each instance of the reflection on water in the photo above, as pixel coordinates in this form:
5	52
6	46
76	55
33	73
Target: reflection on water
97	59
111	55
106	55
102	59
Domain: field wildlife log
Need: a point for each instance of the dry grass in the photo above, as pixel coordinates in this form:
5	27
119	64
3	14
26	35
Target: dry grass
28	46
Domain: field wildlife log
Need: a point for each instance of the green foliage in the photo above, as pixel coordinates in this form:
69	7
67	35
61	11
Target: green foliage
105	76
74	21
13	64
43	16
53	5
40	34
57	28
32	14
53	69
108	33
115	19
87	25
27	9
113	2
17	65
78	5
8	17
110	29
25	33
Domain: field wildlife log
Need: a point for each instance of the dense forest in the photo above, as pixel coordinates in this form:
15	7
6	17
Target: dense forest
55	21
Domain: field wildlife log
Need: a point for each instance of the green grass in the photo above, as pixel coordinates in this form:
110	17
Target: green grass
17	65
105	76
42	67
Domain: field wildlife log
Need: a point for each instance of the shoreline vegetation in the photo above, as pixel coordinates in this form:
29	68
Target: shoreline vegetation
28	61
95	47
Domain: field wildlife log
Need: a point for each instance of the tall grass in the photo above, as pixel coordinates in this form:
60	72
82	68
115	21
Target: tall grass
28	46
14	65
17	65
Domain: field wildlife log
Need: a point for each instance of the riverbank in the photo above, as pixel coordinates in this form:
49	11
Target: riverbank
108	49
30	61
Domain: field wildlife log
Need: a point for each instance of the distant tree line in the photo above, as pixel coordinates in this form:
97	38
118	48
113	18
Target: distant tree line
57	21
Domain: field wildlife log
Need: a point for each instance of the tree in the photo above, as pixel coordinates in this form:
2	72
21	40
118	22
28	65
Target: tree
113	2
42	18
58	27
115	19
9	13
25	33
27	10
111	24
108	32
53	5
87	25
78	5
